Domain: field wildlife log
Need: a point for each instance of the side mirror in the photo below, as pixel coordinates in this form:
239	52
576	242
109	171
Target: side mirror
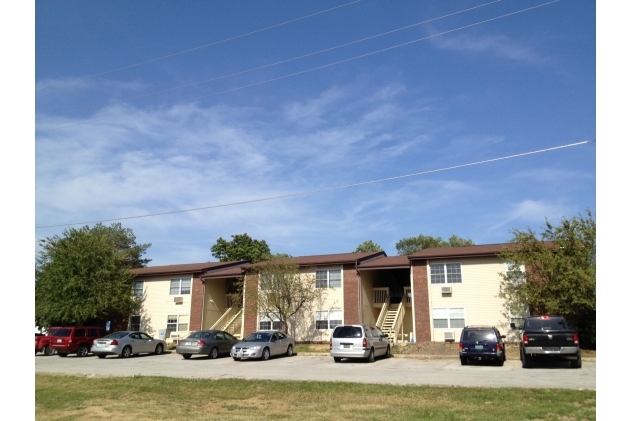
503	336
151	338
512	325
385	335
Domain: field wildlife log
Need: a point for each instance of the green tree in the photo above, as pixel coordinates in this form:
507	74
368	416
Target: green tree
560	272
411	245
83	276
368	246
282	290
242	247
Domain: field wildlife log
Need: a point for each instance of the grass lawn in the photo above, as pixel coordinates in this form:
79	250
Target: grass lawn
61	397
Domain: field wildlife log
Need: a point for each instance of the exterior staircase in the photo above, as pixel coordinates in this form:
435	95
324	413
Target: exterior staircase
230	322
393	320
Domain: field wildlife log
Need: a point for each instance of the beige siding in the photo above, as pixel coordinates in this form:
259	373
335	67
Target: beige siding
214	301
158	304
369	312
477	294
302	325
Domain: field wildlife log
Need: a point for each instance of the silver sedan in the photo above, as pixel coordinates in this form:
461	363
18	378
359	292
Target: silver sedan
263	345
127	343
206	342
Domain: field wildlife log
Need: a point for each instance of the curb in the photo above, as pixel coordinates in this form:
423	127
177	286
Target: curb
413	356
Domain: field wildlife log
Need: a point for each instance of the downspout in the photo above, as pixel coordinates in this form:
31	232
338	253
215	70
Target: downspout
429	299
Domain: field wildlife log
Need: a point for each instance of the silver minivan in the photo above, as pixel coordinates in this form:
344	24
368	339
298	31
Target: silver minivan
358	341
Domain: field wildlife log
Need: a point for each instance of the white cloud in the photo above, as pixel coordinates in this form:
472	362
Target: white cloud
498	45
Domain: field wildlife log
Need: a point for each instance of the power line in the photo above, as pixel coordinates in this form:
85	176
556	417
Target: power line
328	189
272	64
196	48
303	71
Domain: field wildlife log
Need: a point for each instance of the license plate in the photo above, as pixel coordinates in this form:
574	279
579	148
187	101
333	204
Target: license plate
479	347
240	354
58	340
347	346
100	344
187	343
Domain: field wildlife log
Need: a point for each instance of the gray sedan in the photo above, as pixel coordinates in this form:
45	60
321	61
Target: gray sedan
263	345
206	342
127	343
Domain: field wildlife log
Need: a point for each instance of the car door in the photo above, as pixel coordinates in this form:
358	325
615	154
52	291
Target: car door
220	342
230	341
379	340
135	343
275	344
148	344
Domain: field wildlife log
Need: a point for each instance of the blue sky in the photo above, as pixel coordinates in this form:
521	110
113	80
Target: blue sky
517	84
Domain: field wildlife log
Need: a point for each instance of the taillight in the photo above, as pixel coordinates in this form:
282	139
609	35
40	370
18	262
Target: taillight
525	338
364	343
460	346
330	343
114	342
498	347
576	339
201	343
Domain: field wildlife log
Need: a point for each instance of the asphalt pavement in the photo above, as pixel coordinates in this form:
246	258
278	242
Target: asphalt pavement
396	370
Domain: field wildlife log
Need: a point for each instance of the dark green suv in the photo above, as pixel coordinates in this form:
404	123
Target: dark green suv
482	343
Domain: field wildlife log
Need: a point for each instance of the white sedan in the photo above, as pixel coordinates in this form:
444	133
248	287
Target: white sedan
127	343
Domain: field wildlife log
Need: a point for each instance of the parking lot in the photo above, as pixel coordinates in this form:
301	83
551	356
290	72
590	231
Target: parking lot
396	370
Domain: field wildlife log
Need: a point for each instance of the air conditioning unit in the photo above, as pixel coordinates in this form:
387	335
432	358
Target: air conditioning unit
449	336
445	290
178	300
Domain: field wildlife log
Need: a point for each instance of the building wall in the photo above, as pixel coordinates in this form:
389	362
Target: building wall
350	285
477	294
159	304
369	312
250	305
197	304
215	301
422	327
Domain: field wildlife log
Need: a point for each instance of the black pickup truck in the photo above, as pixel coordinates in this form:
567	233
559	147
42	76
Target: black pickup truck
548	337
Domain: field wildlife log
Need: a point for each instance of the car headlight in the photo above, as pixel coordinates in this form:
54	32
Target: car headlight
255	348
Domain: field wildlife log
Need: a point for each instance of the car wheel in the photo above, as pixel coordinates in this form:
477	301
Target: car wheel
100	355
62	354
159	349
371	356
49	351
186	356
388	352
337	359
500	362
290	351
463	360
577	363
265	355
126	352
236	359
214	353
526	360
82	351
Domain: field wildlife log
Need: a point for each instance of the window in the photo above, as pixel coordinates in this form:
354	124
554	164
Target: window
515	272
180	286
329	278
445	271
328	319
266	282
134	323
267	323
448	318
177	323
139	288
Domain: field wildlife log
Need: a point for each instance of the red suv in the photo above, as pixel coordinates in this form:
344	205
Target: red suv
75	340
42	342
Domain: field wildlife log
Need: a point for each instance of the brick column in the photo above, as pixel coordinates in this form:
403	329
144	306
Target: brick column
250	305
197	304
351	294
421	301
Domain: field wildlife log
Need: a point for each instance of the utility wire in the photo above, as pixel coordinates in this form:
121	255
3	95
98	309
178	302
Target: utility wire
303	71
269	65
328	189
195	48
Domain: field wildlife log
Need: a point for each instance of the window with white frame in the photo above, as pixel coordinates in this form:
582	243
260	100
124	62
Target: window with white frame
328	319
269	322
331	278
134	323
180	286
266	282
445	273
177	323
515	271
139	288
448	318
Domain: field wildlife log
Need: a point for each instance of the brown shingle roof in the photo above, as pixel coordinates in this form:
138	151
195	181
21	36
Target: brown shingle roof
462	251
394	262
334	259
231	272
184	268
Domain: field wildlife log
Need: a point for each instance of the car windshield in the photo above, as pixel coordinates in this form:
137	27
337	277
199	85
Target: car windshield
116	335
200	335
551	323
347	332
63	332
479	335
258	337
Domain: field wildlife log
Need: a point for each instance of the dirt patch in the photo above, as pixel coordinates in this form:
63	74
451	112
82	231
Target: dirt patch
428	348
